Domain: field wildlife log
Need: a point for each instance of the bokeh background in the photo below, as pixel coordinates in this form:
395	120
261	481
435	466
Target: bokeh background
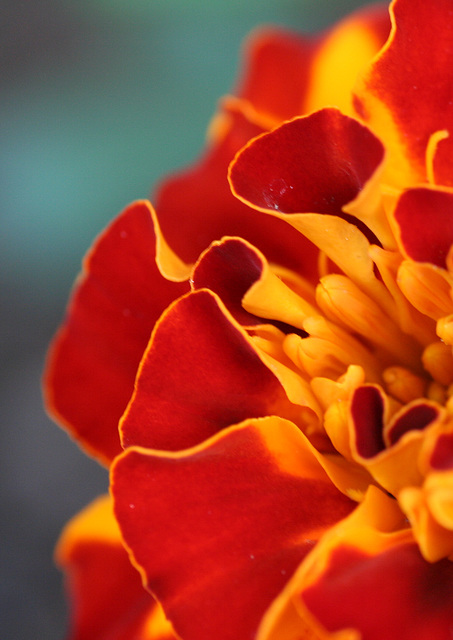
99	98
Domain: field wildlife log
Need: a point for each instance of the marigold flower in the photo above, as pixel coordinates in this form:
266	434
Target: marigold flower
265	361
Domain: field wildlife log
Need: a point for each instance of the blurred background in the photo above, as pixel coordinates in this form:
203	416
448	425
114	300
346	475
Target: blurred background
99	98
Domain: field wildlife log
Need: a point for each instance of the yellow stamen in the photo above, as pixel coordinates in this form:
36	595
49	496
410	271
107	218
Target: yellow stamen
445	329
345	303
437	360
403	385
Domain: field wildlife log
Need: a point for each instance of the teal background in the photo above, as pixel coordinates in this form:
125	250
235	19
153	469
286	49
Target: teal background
99	99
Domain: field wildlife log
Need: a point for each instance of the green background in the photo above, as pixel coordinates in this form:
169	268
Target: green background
99	99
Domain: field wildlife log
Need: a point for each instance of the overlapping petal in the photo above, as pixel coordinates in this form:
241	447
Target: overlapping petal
393	594
229	268
94	358
288	470
267	97
429	507
388	445
316	164
318	70
345	51
406	96
366	579
195	207
252	291
192	337
107	597
231	519
306	172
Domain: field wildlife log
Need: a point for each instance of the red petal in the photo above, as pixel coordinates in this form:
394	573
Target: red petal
196	207
395	594
407	96
229	268
288	75
315	164
372	429
95	356
108	601
367	413
278	69
424	217
200	374
416	417
219	529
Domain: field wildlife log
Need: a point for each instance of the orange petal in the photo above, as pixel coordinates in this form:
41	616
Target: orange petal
389	448
429	510
219	529
426	287
94	358
107	597
441	458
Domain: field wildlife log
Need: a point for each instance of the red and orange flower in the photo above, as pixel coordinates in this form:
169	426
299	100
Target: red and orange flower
264	359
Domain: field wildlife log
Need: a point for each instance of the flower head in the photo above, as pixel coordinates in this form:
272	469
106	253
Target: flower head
270	347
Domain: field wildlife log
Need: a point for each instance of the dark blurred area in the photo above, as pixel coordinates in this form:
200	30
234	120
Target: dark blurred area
99	99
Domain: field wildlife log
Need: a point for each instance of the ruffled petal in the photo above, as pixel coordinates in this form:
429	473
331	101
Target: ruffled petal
195	207
229	268
219	529
344	52
94	358
388	446
241	276
429	507
367	579
411	598
316	163
278	96
107	597
393	593
406	97
193	338
306	172
319	70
